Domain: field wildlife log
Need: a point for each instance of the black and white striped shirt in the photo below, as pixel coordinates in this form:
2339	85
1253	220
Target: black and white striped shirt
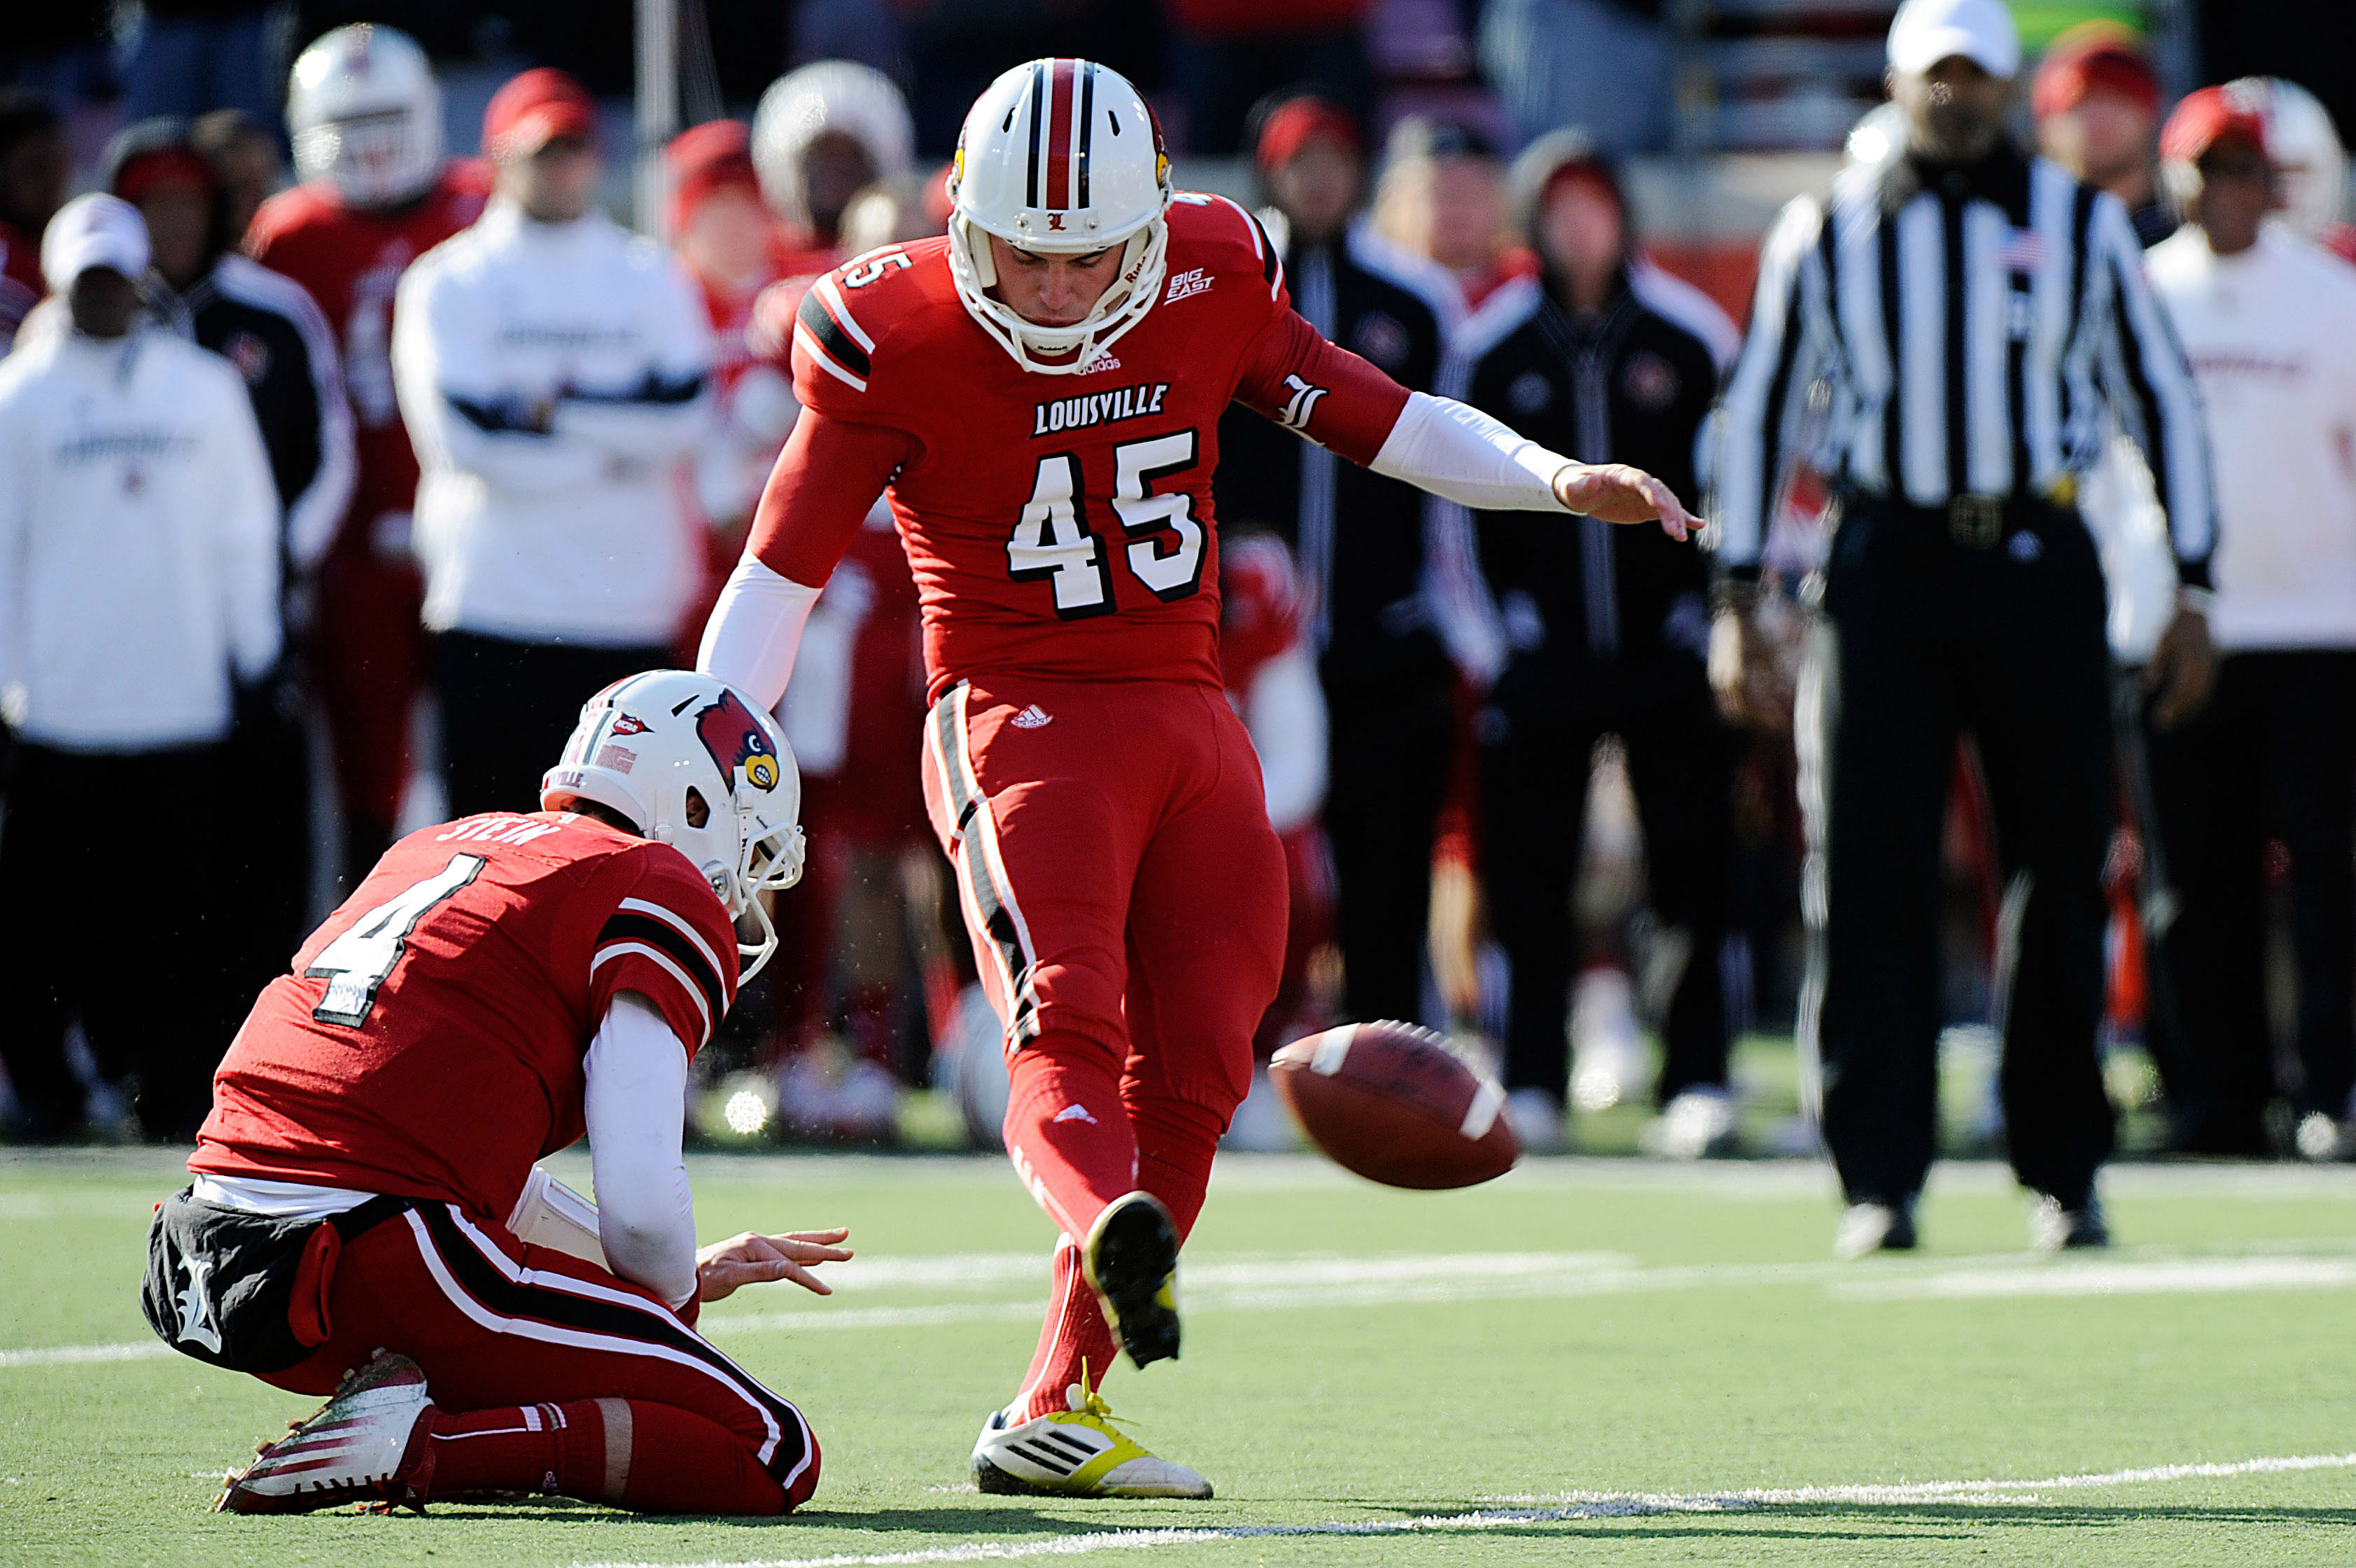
1970	328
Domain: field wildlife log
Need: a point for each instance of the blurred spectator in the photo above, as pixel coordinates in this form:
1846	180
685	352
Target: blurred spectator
552	369
1606	631
731	247
2269	323
871	943
1443	196
190	57
1229	54
2096	100
1602	65
2310	165
35	164
1359	538
267	327
376	194
821	136
244	154
138	587
1269	672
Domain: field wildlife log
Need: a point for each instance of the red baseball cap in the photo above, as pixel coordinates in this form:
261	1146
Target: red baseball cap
2093	57
1291	125
715	156
2208	117
534	109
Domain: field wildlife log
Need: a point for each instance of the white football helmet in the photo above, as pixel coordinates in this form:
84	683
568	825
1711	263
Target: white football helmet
833	95
2310	165
655	744
365	115
1060	155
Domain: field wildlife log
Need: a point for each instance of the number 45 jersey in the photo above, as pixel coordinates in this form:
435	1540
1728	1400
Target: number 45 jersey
1061	525
428	1040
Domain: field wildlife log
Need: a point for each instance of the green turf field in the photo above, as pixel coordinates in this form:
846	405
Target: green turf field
1601	1362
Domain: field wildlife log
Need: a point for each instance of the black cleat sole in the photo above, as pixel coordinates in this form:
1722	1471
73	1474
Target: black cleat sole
1130	1256
990	1479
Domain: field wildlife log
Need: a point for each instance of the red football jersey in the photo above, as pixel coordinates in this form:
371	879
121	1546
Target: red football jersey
352	262
428	1040
1058	525
1261	611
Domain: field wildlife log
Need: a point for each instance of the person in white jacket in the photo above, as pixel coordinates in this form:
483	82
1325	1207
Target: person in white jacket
2268	321
551	370
138	593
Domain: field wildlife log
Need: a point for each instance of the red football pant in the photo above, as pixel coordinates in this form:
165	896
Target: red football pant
1125	898
370	653
551	1373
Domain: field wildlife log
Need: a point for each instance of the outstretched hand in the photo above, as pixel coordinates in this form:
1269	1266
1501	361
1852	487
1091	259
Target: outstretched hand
1618	493
753	1259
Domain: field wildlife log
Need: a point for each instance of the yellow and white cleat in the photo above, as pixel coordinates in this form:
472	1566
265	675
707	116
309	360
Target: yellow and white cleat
1077	1452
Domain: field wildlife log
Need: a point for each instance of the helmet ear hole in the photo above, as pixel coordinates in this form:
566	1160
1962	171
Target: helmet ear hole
698	812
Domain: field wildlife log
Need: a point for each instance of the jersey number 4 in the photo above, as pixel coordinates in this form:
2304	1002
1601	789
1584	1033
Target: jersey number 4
1052	543
358	963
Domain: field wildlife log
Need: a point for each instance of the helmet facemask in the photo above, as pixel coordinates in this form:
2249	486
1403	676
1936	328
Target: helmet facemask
1059	350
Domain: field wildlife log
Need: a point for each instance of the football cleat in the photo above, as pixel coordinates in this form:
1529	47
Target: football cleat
1131	1259
1875	1227
2055	1228
1077	1452
365	1446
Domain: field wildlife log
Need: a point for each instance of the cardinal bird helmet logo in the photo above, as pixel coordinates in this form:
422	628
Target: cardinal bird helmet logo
737	740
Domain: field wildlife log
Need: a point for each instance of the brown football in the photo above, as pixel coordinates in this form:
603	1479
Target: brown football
1393	1104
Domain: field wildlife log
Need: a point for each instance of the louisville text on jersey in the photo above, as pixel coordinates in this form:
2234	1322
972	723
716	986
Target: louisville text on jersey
1098	408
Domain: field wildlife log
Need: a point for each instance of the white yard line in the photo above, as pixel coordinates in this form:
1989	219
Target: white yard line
1571	1506
2156	1276
76	1355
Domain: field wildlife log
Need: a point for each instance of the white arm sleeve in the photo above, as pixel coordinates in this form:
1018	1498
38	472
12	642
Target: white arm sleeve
550	1214
1458	452
1285	711
755	631
636	1108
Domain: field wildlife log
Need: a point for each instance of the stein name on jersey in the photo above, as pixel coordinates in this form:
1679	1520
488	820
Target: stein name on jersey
1074	533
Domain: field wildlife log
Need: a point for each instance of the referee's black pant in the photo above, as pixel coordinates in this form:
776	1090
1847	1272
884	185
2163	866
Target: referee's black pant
1537	751
508	706
1936	629
2272	757
1390	728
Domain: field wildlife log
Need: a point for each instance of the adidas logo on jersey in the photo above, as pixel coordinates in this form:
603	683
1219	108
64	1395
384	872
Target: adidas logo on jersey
1100	408
1032	717
1186	285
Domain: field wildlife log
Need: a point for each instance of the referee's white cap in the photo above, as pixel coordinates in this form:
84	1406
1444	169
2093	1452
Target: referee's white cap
93	230
1925	32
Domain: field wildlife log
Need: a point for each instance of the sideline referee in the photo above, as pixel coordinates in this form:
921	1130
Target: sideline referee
1972	314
